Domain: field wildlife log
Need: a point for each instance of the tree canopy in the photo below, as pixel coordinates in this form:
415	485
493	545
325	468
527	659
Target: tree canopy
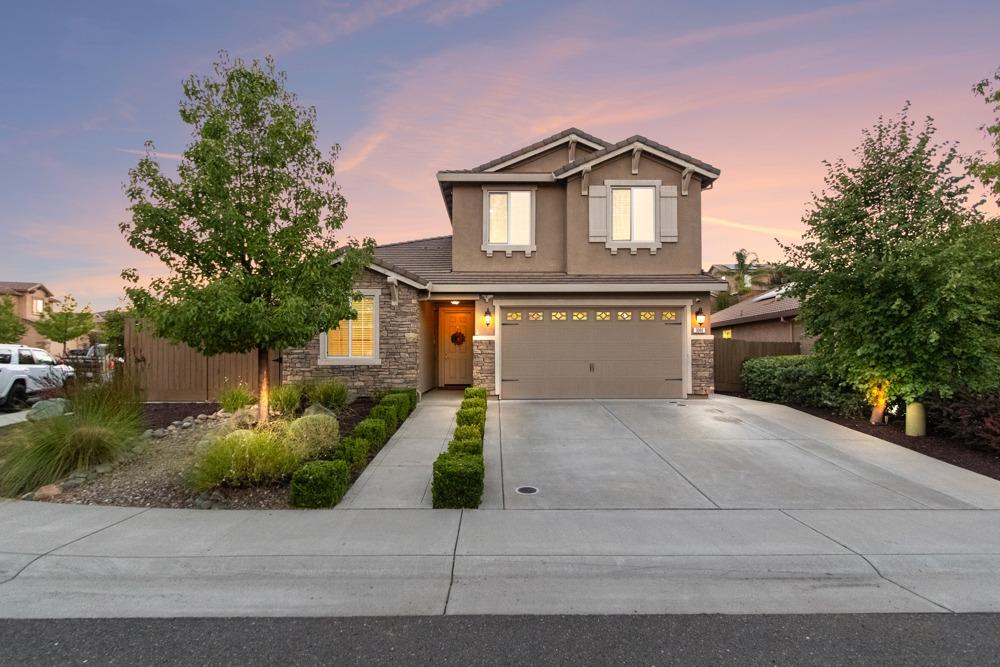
11	326
984	166
897	270
65	324
246	229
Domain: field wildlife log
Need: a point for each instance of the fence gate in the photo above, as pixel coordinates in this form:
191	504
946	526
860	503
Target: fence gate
730	355
174	372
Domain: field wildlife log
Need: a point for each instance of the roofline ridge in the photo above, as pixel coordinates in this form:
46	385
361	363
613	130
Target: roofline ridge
427	238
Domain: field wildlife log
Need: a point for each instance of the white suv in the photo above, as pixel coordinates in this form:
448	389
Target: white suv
25	371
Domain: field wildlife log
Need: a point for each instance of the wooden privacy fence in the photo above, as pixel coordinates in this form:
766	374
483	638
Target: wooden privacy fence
174	372
730	355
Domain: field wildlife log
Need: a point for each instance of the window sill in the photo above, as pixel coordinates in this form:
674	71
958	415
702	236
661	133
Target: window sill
349	361
509	250
633	248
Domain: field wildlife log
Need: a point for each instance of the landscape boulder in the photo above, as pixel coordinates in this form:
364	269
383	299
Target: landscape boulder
49	408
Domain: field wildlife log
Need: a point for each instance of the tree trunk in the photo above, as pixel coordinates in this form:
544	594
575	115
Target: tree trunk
878	413
263	385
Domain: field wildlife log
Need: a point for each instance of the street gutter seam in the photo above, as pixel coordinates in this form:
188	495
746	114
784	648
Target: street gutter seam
74	541
870	564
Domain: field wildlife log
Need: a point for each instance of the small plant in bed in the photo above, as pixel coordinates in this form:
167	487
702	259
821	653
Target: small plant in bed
286	400
244	458
354	451
106	420
372	430
411	396
234	397
331	394
319	484
312	436
387	413
401	403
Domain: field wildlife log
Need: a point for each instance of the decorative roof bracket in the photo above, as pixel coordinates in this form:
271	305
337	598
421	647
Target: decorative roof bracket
585	182
636	152
393	289
572	150
686	180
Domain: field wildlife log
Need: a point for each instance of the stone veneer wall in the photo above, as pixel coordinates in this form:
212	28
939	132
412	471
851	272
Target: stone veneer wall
484	365
399	346
702	366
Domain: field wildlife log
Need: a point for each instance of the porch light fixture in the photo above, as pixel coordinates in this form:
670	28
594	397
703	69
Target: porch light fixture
699	316
455	302
488	317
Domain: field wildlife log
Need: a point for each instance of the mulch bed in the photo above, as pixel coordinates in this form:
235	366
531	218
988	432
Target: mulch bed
964	455
162	415
158	476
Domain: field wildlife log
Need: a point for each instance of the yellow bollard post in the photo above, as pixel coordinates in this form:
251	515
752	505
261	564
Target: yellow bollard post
916	420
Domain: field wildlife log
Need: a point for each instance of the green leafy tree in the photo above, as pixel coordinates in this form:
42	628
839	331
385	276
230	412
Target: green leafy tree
747	269
11	326
897	272
984	166
65	324
246	228
112	330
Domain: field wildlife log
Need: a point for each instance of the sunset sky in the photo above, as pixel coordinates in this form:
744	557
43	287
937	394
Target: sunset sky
763	90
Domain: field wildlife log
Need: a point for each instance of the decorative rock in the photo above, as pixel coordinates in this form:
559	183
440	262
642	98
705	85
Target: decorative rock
176	422
244	417
28	496
47	492
103	468
53	407
317	409
171	428
201	417
159	433
71	483
187	424
148	433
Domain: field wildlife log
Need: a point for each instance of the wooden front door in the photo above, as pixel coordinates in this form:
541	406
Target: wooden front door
456	327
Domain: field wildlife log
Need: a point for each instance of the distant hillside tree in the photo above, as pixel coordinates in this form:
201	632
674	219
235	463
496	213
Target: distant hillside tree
246	227
897	271
985	166
65	324
11	326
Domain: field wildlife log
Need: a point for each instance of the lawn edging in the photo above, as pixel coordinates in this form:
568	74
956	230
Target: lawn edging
458	474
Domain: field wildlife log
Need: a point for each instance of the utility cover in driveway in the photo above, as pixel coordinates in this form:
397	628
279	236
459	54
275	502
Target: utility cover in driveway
605	352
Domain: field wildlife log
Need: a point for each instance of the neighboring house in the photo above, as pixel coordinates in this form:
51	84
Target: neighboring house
756	284
572	271
30	300
772	316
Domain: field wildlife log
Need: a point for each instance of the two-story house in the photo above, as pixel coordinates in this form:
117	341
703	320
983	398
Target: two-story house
572	271
30	300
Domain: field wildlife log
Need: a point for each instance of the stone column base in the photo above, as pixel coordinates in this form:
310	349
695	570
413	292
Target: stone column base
484	364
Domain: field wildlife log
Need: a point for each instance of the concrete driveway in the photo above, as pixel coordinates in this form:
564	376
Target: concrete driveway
724	453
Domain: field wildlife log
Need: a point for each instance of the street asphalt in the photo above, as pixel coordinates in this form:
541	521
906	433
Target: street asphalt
820	639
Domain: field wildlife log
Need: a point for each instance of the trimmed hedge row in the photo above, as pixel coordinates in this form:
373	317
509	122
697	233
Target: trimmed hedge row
324	483
459	473
799	380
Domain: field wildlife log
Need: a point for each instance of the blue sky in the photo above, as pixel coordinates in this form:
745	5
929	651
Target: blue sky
763	90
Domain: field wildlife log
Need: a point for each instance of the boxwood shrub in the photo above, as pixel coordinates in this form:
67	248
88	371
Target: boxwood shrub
411	396
400	403
458	481
372	430
387	413
353	450
474	392
473	416
474	403
319	484
466	447
798	380
469	432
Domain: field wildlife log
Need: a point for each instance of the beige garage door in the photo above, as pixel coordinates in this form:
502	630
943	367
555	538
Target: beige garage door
579	352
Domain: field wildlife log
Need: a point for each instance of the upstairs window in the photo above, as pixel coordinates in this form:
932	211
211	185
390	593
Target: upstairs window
633	214
509	221
38	306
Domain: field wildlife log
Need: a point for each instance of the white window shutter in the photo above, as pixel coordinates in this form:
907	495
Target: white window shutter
668	213
598	196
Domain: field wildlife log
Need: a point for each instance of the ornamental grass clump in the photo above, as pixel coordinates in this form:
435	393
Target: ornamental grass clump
234	397
244	458
106	420
319	484
331	394
286	400
312	436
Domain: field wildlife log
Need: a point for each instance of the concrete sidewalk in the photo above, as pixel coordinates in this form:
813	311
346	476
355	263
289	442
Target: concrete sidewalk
11	418
70	561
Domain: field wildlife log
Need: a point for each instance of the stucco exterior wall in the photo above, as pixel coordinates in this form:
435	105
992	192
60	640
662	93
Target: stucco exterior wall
427	368
682	257
400	350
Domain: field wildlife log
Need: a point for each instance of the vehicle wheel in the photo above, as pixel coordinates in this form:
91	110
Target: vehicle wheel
17	397
69	384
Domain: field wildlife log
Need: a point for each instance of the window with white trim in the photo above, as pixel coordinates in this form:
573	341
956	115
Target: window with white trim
509	220
633	214
354	341
38	306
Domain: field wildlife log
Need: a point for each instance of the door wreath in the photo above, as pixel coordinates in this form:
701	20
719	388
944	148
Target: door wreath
457	338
